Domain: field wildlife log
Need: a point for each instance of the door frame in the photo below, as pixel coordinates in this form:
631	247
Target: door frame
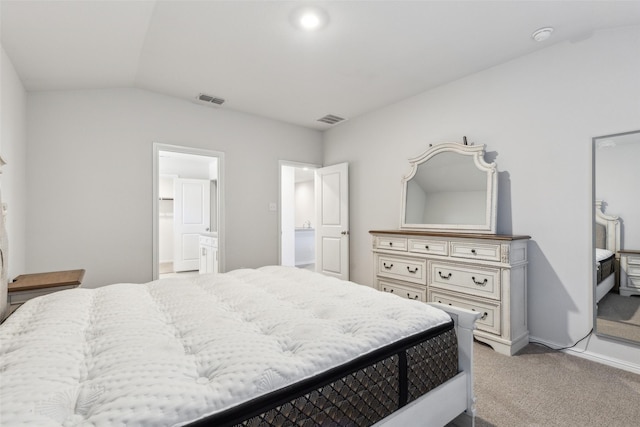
157	148
289	163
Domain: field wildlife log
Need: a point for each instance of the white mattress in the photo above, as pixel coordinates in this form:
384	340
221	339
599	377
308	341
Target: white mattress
172	351
602	254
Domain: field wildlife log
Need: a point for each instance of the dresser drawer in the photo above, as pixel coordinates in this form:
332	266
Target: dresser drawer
633	282
633	260
473	280
408	269
391	243
405	291
434	247
489	320
469	250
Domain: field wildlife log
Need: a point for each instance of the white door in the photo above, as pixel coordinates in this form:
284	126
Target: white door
332	217
191	217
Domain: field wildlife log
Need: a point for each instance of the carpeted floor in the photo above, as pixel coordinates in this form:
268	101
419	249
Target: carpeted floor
542	387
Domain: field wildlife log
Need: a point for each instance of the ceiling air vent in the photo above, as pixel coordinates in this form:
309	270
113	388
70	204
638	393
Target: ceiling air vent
210	99
330	119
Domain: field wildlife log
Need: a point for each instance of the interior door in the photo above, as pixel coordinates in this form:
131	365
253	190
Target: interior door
191	217
332	217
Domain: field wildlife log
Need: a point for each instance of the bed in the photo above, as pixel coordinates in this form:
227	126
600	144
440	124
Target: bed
607	245
271	346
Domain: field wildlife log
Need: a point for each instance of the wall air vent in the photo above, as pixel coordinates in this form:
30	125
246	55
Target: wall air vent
331	119
210	99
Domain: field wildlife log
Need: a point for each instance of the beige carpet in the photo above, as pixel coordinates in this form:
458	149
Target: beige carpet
619	316
542	387
621	309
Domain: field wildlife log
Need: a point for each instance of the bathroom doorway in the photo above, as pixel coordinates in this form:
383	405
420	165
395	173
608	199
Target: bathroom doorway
187	211
297	215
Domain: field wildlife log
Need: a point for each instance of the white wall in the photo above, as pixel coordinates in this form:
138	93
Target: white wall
13	148
537	115
90	178
305	204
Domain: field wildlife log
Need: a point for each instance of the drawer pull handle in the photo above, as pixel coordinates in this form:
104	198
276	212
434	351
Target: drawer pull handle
390	243
447	277
483	283
426	247
409	296
390	290
484	315
387	267
473	251
414	271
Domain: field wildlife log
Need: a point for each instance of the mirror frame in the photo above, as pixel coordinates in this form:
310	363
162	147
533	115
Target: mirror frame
477	153
596	211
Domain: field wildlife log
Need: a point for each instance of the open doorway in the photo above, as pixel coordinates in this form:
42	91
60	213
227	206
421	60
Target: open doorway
187	211
297	215
314	217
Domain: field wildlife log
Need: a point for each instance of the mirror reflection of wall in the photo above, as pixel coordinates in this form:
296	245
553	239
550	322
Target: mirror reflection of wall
616	178
445	207
617	163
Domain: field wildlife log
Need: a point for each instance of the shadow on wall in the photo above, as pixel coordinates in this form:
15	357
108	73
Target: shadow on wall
547	299
505	224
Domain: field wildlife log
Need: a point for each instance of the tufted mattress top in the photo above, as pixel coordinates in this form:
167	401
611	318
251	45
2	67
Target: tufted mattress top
173	351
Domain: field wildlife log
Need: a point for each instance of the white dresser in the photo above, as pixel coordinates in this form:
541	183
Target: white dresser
480	272
630	272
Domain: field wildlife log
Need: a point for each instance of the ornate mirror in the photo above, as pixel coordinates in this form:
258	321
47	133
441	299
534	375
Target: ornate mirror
450	188
616	236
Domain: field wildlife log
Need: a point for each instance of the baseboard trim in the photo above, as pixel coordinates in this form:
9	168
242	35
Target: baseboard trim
594	357
606	360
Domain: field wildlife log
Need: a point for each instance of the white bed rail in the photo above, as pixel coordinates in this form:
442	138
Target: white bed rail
453	401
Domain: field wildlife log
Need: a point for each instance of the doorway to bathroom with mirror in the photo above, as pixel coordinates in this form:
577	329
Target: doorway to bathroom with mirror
314	217
297	215
187	211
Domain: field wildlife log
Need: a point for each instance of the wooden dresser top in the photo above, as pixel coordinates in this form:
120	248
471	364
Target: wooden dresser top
450	235
27	282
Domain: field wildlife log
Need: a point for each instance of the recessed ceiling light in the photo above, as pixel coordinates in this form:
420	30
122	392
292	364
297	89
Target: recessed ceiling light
310	18
542	34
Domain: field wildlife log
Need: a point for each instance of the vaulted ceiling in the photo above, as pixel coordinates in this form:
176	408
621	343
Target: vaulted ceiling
369	54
